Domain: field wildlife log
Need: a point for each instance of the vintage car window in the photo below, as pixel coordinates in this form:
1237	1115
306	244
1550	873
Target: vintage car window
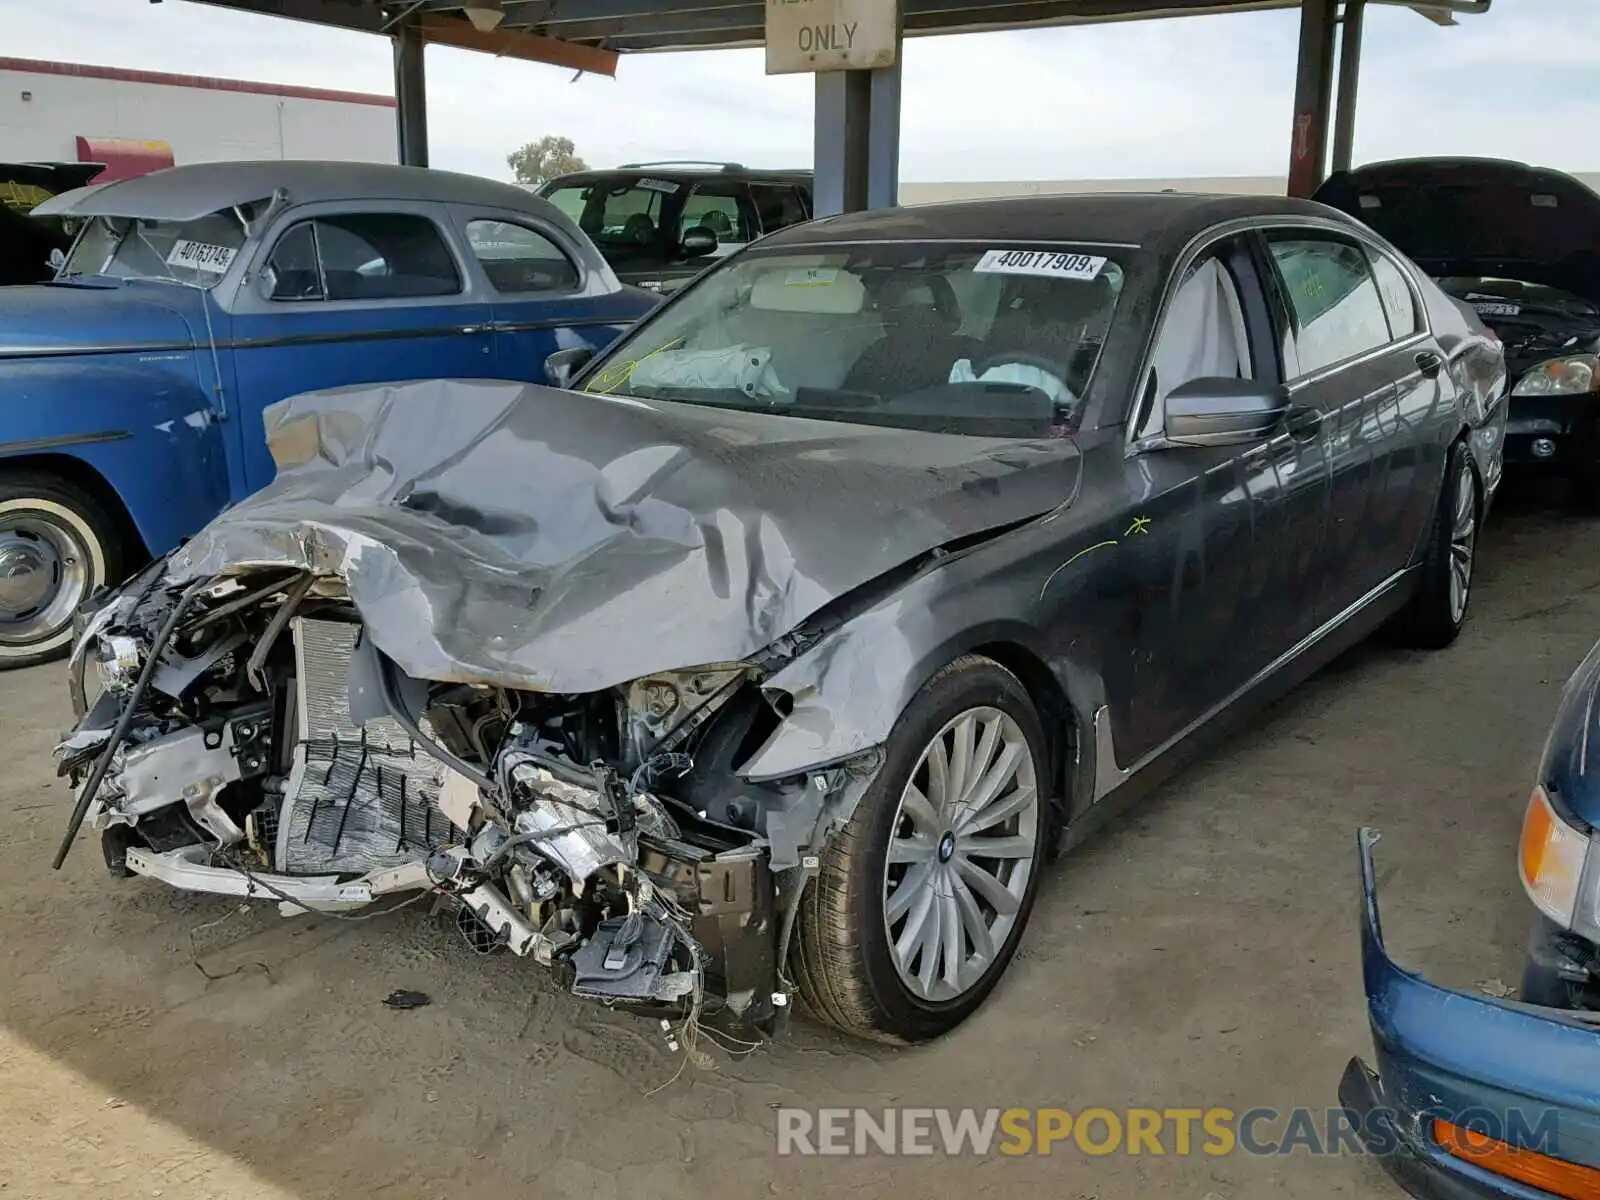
1337	311
721	207
613	213
362	256
518	259
196	253
930	335
777	205
1398	302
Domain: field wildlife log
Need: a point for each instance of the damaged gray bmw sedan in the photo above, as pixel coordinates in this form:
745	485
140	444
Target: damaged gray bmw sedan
770	654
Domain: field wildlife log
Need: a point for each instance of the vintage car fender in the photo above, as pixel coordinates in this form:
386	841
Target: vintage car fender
146	430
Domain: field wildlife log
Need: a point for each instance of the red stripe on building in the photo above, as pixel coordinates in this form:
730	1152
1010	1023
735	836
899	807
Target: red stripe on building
202	82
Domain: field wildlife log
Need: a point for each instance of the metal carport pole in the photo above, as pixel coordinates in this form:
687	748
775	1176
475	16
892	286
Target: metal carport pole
1344	113
1313	90
857	139
411	95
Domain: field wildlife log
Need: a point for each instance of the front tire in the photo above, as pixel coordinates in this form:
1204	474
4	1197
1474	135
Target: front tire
920	901
1436	613
57	545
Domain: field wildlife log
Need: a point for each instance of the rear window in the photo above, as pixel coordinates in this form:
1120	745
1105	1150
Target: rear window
979	339
620	212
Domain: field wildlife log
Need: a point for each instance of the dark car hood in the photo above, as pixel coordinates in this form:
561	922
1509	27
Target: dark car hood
545	539
1571	767
1470	216
62	318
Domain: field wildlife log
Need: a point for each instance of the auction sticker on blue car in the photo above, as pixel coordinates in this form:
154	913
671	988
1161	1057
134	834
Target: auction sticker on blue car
1053	264
201	256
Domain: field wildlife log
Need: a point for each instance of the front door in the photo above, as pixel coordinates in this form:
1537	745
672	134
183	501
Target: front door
352	297
1218	535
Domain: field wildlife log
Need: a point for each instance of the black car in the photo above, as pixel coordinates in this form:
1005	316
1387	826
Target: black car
659	223
774	657
27	242
1521	245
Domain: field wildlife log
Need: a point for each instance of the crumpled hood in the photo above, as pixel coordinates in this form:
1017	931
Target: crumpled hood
57	318
546	539
1479	216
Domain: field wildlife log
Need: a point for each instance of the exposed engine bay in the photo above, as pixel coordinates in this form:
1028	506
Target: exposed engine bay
250	741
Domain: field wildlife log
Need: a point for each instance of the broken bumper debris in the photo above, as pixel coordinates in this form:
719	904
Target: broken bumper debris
268	750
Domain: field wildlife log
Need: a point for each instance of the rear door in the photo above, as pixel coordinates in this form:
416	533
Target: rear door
1368	384
344	295
541	299
779	205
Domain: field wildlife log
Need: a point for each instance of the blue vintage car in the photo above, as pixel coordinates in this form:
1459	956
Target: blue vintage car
131	387
1475	1096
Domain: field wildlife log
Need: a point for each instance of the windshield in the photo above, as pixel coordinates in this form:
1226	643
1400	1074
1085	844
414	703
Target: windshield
616	213
982	339
1493	297
197	253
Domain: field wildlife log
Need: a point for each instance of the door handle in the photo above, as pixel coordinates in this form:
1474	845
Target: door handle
477	329
1429	363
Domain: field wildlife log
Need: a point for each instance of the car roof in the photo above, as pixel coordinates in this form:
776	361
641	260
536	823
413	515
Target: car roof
191	191
677	171
1112	218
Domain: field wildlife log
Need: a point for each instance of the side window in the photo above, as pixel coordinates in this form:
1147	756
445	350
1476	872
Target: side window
518	259
777	205
717	207
292	272
1203	335
1333	298
1398	302
362	256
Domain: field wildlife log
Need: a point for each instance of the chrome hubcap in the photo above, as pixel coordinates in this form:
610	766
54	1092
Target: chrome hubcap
960	854
1463	539
44	576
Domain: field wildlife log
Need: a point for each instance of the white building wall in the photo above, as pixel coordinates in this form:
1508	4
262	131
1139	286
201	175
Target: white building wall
42	114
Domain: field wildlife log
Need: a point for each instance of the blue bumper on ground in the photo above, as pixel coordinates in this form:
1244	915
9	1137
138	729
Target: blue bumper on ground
1526	1076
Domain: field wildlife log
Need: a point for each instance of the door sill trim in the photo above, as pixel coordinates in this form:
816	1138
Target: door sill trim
1108	776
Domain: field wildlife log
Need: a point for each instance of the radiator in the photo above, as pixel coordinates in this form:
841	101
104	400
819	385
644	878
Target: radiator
358	798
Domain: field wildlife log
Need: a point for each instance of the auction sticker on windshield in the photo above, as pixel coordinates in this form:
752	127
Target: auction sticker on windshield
1051	263
201	256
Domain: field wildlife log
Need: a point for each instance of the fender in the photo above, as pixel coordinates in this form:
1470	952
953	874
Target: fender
146	427
844	694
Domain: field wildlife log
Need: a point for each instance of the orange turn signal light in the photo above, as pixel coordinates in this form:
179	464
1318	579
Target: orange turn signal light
1554	1175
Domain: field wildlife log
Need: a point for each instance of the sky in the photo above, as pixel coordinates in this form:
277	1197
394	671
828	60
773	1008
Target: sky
1194	96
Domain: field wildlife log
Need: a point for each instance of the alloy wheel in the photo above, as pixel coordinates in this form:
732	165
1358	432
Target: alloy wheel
960	855
1463	540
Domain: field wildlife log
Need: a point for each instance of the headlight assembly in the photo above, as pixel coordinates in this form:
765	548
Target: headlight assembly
1570	375
1551	860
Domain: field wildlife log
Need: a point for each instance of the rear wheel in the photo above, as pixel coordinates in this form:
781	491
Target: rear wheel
57	545
1436	613
921	899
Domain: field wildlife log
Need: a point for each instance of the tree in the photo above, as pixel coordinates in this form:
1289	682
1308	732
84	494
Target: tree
545	159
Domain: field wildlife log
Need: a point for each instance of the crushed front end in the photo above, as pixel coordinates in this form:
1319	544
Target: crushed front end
251	740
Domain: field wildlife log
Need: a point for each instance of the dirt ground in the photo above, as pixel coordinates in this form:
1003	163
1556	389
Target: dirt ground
1201	952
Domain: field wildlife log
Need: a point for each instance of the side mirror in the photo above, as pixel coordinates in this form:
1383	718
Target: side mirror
561	366
1224	412
698	242
58	259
